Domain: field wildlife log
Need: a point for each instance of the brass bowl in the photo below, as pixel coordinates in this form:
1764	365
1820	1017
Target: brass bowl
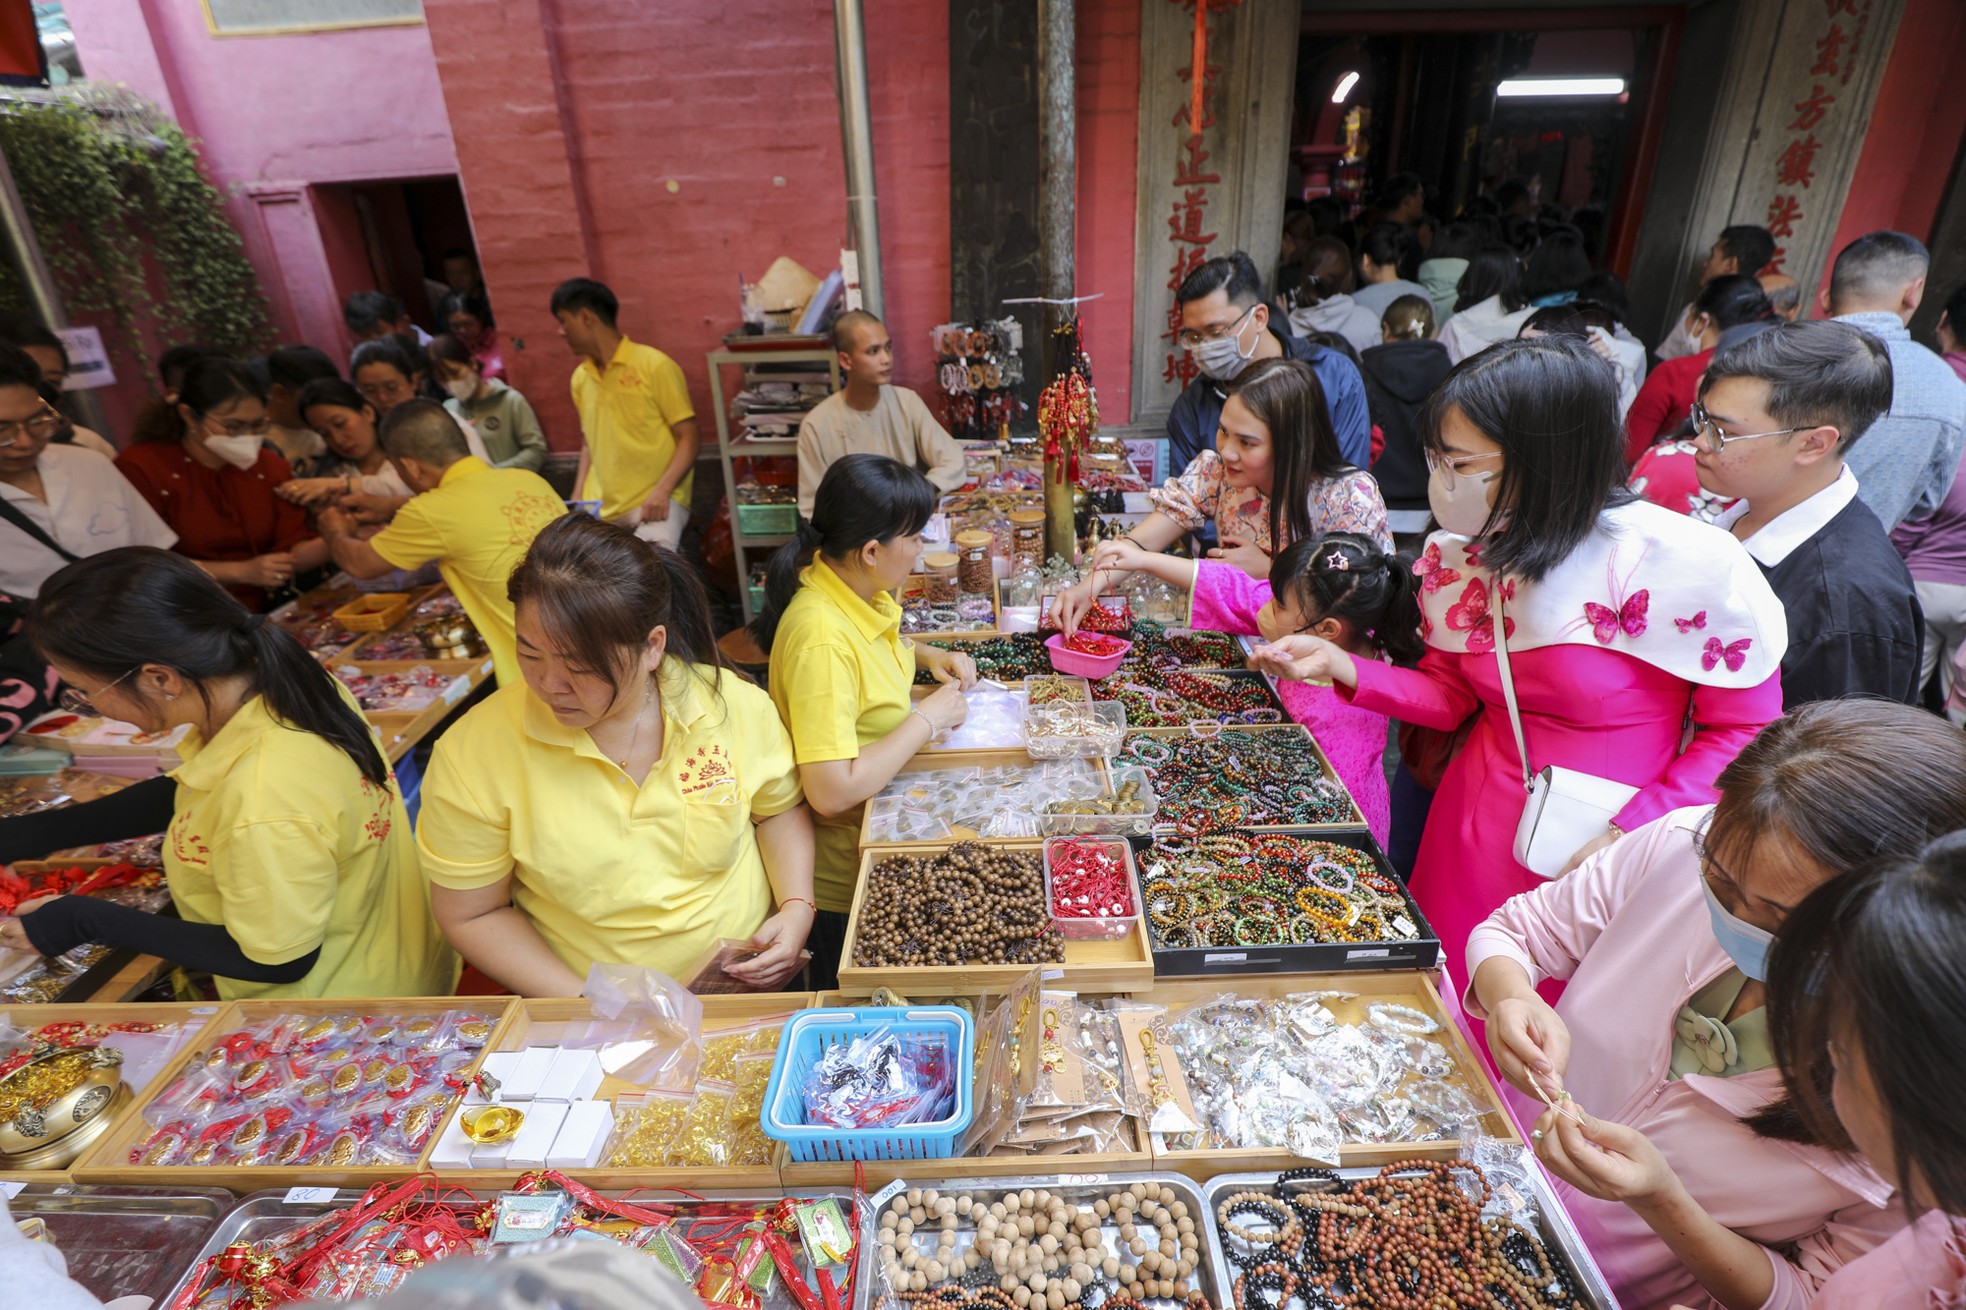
88	1089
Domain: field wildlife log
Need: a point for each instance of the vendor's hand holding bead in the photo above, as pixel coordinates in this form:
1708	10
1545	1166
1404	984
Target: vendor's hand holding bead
1603	1159
945	707
1531	1045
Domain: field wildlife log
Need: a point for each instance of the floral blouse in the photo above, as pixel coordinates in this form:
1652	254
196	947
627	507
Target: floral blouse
1347	503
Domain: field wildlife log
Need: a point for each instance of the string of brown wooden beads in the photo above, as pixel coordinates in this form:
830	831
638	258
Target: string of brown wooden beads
969	904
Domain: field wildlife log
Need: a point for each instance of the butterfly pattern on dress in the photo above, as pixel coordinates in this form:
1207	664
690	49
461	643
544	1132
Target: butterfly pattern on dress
1687	625
1470	615
1733	654
1430	572
1628	613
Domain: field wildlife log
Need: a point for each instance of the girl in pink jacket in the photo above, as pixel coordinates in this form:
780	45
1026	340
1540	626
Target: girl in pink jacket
1671	1139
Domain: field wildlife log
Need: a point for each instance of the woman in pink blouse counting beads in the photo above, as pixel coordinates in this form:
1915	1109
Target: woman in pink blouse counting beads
1275	476
1646	647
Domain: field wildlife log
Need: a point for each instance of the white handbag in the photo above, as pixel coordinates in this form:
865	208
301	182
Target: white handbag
1566	808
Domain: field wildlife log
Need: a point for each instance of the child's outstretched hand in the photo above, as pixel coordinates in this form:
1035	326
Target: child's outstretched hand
1301	657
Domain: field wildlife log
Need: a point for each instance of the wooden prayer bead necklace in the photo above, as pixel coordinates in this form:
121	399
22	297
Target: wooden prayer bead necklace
970	904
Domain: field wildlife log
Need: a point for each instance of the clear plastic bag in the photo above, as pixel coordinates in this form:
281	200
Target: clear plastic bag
654	1022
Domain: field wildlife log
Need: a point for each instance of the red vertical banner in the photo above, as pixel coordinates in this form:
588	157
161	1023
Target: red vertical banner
1188	227
21	60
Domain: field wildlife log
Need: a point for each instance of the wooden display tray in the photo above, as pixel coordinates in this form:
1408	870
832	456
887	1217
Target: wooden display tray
29	1017
539	1022
1175	736
1090	966
1414	989
946	761
108	1160
344	591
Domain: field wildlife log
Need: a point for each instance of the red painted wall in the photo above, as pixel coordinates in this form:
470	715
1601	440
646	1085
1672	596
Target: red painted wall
1916	131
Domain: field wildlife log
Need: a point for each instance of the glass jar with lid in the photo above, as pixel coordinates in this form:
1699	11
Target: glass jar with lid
975	574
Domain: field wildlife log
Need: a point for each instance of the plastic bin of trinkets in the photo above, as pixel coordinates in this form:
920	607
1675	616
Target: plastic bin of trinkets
124	1241
1130	810
1325	904
1090	1207
571	1024
904	931
1268	779
1062	729
898	1079
1447	1070
1092	887
1556	1249
990	797
146	1036
301	1092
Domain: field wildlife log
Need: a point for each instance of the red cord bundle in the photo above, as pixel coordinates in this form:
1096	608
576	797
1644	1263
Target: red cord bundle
16	889
1092	643
1088	880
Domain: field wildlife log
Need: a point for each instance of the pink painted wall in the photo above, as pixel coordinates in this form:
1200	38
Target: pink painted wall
276	115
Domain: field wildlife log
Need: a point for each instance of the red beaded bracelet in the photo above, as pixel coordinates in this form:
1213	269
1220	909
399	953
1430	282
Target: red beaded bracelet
1088	881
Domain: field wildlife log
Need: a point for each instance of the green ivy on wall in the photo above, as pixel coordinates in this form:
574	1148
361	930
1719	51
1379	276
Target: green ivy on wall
130	227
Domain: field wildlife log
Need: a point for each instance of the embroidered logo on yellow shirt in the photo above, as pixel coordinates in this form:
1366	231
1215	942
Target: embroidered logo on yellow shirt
526	515
707	774
187	846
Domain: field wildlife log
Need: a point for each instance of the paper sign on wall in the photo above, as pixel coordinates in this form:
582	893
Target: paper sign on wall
850	273
88	359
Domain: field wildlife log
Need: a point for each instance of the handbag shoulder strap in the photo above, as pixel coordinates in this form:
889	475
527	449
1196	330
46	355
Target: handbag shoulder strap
1508	689
12	514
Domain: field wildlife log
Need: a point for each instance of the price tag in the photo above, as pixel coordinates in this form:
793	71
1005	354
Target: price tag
459	688
308	1194
11	1190
886	1194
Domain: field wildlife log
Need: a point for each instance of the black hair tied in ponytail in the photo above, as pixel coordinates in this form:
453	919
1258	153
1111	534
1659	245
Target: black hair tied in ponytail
137	605
862	498
1344	576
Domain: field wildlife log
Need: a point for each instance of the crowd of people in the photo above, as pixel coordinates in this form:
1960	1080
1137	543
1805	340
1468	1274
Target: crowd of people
1694	872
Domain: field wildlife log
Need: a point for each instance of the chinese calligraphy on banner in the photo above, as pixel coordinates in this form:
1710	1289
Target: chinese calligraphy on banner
1214	97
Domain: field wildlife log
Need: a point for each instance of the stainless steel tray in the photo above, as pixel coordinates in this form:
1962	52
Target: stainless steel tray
1081	1189
265	1215
1553	1225
125	1241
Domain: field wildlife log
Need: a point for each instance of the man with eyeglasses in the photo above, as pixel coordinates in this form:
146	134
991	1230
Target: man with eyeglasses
57	503
1226	327
1775	421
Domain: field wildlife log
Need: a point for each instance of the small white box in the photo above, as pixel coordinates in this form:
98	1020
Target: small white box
527	1073
453	1150
575	1076
499	1064
536	1134
583	1137
491	1157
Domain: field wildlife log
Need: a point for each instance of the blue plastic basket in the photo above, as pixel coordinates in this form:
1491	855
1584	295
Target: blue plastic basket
808	1036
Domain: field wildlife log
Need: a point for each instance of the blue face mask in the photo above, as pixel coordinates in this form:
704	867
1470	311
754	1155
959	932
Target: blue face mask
1744	943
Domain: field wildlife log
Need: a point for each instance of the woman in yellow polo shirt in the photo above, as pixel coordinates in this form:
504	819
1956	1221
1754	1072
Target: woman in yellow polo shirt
841	672
632	801
286	848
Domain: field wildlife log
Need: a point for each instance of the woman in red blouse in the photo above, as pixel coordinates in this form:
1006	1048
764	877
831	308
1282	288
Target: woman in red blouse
215	486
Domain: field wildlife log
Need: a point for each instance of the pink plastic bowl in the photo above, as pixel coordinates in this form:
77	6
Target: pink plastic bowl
1086	666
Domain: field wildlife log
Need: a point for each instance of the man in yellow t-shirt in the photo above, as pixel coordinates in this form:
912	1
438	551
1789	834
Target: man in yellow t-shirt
474	520
635	414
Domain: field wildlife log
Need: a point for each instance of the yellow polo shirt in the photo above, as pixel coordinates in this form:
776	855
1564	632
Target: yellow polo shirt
277	835
627	415
477	524
840	675
650	875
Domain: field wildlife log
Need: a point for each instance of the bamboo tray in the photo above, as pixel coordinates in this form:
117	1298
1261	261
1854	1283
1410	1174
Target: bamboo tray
1354	821
1414	989
1090	966
952	761
108	1160
30	1017
535	1022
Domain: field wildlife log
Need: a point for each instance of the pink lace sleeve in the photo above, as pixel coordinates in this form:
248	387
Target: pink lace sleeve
1191	497
1352	504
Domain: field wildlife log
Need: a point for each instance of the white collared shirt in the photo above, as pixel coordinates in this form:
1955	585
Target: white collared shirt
90	508
1779	537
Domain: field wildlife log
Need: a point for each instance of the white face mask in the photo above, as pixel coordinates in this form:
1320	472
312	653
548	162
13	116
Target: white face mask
462	389
1222	357
1464	509
239	452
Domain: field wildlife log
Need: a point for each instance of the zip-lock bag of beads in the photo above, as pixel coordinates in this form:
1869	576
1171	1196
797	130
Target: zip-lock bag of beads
646	1126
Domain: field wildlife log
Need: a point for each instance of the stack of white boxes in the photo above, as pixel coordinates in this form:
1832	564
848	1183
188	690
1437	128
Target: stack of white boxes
564	1127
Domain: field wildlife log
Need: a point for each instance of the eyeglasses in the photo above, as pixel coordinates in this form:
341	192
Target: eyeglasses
240	427
1190	338
1449	466
44	426
1713	440
77	701
395	388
